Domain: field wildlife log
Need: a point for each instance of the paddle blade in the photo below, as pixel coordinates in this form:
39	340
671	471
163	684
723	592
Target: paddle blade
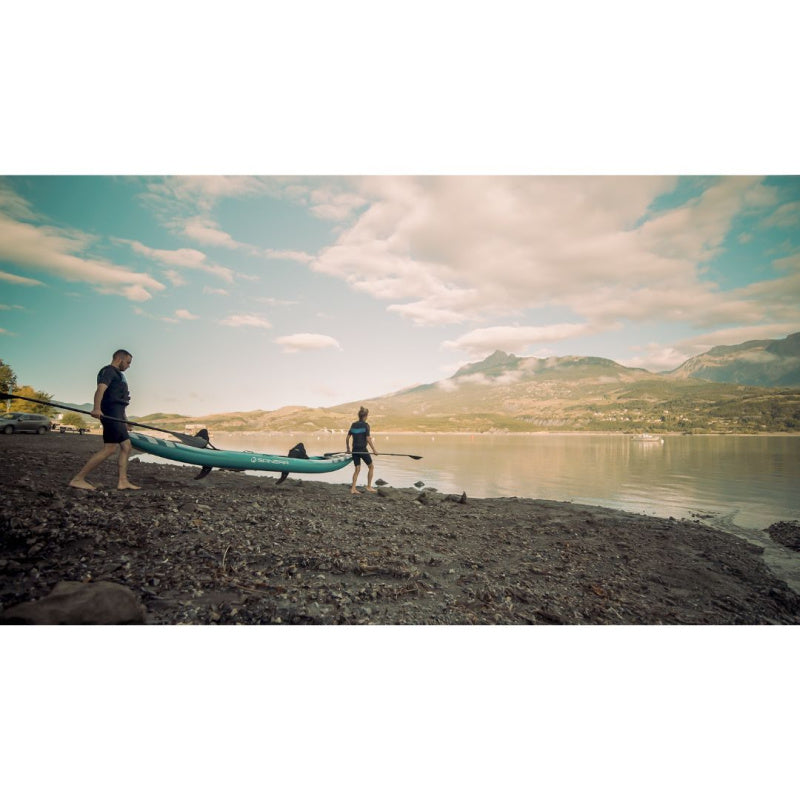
191	441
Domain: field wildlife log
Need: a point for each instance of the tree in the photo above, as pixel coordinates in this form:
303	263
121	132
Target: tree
32	407
8	380
76	420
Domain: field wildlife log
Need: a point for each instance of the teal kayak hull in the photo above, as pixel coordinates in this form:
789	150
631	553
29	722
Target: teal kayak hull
235	459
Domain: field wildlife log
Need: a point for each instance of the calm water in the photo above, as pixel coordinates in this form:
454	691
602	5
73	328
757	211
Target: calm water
748	481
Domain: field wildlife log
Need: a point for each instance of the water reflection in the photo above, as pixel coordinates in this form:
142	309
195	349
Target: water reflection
753	478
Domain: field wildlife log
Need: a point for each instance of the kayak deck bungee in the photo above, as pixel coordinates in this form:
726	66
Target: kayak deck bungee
235	459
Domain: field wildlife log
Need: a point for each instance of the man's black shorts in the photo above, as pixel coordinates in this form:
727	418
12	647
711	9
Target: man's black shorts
366	458
114	432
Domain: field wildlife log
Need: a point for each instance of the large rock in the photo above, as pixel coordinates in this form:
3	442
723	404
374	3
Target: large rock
74	603
786	533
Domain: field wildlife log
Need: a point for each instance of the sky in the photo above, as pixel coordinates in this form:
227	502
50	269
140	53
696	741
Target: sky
256	292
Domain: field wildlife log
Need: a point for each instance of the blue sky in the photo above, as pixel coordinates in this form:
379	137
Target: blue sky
245	292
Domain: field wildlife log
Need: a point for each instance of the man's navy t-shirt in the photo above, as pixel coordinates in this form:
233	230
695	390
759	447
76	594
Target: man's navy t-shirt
116	396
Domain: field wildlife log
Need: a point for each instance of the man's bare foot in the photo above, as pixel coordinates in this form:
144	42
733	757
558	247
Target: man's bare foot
354	491
370	489
128	485
81	483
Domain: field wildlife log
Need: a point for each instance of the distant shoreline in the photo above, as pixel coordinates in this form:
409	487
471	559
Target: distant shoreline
671	434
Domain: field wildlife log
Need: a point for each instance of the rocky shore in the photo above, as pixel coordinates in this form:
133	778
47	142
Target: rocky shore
234	548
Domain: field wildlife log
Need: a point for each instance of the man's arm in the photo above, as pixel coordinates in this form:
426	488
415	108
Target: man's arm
98	396
371	444
347	442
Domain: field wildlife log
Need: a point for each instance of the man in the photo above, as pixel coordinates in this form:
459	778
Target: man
360	434
110	400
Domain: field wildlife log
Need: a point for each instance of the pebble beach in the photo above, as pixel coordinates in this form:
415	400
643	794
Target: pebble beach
240	549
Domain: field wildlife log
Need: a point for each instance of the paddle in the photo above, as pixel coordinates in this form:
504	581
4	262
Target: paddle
343	453
192	441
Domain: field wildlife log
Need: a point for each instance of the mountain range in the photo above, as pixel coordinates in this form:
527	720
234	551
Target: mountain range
751	387
764	362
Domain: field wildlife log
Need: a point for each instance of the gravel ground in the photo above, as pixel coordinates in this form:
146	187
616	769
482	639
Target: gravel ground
234	548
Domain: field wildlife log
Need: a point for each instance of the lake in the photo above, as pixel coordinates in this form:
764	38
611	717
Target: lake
743	481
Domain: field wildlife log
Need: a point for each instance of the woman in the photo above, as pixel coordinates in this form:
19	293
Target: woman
360	433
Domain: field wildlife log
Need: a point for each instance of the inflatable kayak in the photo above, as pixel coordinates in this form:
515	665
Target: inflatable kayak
235	459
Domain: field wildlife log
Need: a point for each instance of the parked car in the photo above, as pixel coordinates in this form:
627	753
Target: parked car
16	422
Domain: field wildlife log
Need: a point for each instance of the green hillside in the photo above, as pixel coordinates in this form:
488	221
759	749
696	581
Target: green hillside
506	393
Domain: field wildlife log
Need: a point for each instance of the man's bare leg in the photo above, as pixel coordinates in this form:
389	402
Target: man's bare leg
370	472
124	455
79	481
353	489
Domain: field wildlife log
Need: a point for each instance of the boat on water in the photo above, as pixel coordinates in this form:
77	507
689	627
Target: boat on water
236	459
648	437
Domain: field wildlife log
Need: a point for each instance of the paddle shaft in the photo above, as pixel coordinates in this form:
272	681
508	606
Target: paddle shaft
192	441
343	453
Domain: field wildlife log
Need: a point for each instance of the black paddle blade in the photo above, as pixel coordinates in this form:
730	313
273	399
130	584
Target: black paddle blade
203	472
190	441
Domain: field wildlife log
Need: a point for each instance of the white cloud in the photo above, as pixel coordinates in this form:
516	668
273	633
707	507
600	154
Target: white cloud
184	257
445	250
175	278
785	216
58	252
180	315
22	281
788	263
513	339
306	341
287	255
210	290
185	205
201	191
328	203
208	232
274	301
660	358
246	321
14	205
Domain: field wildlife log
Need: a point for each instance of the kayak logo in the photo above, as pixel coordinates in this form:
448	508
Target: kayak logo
272	460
